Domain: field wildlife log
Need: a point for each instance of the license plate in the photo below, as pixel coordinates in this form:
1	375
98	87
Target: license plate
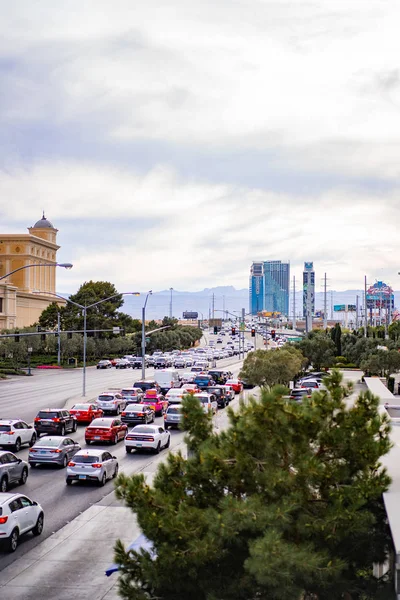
43	452
97	437
138	445
82	476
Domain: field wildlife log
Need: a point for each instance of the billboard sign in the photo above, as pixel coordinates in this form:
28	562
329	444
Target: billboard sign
344	308
190	315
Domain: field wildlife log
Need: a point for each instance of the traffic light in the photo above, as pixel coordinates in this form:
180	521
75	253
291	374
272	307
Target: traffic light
273	334
215	330
253	332
233	331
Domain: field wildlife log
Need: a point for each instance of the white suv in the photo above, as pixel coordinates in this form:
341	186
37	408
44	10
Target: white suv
15	433
18	515
111	402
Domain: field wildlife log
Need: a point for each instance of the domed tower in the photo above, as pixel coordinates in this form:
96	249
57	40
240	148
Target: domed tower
44	229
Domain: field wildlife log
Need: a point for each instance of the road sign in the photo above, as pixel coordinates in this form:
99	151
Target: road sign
116	329
147	340
242	326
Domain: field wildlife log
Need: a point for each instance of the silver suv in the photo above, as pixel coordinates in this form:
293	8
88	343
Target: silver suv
12	470
111	403
173	416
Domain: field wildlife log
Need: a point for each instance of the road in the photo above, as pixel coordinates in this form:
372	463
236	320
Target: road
25	396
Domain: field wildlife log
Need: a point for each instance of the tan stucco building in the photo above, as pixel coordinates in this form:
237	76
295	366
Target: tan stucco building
19	306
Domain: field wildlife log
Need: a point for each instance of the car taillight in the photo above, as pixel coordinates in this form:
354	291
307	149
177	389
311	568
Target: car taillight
96	465
140	414
71	464
56	420
32	450
37	419
3	520
123	414
55	451
8	432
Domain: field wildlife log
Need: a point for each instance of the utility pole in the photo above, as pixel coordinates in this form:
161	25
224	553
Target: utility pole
242	332
357	312
294	303
325	305
213	306
170	303
331	305
308	304
223	307
365	307
58	340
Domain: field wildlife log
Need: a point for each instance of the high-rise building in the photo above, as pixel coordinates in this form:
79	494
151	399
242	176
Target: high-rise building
308	294
276	286
256	288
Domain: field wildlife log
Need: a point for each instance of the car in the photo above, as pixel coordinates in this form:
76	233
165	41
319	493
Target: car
208	402
15	433
104	364
180	363
105	429
247	385
54	420
220	395
52	449
147	437
150	360
203	380
136	362
230	392
86	412
145	385
188	377
300	393
12	470
92	465
18	515
111	402
132	395
161	362
156	400
196	369
189	388
310	383
235	384
173	416
219	376
122	363
138	413
175	395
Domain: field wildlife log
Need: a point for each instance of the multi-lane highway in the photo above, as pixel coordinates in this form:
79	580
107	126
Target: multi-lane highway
46	484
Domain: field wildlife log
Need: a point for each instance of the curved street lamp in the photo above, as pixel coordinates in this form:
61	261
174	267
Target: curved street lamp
64	265
149	293
84	308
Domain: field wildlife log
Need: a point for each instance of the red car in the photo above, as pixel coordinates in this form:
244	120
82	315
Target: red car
236	385
156	400
105	429
85	413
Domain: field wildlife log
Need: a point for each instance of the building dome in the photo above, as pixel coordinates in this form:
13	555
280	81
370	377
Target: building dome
43	223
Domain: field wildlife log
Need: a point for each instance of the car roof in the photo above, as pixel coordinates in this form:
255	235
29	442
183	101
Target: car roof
105	420
51	409
10	421
6	496
93	451
149	426
51	437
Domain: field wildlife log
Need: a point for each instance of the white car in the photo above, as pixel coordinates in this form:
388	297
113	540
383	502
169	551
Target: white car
92	465
15	433
188	377
18	515
175	395
208	402
147	437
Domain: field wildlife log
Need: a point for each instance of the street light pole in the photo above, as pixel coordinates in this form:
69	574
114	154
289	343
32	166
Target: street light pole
84	308
64	265
144	335
170	303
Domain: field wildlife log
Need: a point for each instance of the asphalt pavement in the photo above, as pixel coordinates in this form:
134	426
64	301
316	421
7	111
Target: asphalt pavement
46	484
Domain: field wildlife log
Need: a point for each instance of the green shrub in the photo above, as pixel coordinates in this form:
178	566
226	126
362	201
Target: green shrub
341	359
390	384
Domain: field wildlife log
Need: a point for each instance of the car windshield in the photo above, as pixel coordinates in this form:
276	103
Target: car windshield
129	392
81	407
48	442
144	385
107	398
48	414
86	459
142	430
201	379
101	423
216	391
5	427
133	407
173	410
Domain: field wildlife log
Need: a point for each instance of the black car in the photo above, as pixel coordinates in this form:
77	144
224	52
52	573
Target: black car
146	385
55	420
220	395
137	413
219	376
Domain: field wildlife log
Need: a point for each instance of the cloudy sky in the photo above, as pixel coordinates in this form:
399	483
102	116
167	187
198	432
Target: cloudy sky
172	143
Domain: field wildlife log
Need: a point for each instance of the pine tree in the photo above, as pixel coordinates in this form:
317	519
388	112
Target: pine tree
285	503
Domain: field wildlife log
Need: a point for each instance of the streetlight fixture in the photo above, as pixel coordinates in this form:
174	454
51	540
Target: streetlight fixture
64	265
149	293
84	308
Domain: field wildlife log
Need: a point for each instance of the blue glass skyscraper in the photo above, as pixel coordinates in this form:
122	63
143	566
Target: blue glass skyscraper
269	287
256	288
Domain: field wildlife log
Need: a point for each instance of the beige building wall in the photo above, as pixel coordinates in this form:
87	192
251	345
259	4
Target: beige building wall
21	307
